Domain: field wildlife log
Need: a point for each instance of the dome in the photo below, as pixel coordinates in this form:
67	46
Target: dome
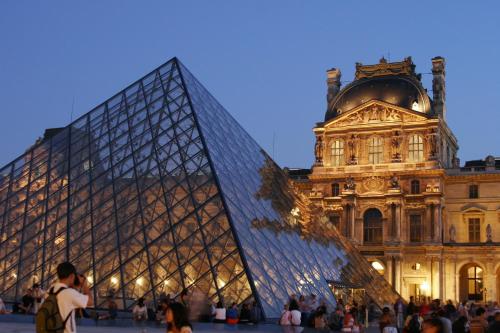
400	90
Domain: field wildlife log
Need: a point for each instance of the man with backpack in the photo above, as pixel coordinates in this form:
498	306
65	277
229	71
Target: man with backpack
57	313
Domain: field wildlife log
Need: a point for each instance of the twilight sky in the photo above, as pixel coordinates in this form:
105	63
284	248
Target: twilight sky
265	61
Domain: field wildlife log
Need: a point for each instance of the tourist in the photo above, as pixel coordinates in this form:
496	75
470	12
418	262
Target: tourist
140	311
319	320
245	316
432	325
255	313
425	309
385	320
112	310
494	326
161	310
3	309
413	323
177	319
462	310
450	309
399	311
71	292
335	320
460	325
442	315
478	323
232	314
291	315
410	309
38	296
27	302
220	313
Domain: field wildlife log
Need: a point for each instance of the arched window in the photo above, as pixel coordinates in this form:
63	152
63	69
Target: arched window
372	226
335	189
415	187
337	153
375	150
471	283
416	148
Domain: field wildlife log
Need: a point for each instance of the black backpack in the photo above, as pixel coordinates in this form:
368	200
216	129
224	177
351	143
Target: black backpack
48	318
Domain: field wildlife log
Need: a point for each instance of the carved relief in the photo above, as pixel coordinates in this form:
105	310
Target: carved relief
318	150
373	184
376	113
353	145
396	147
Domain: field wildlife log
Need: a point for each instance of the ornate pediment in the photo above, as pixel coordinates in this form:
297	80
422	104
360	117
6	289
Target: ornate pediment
376	112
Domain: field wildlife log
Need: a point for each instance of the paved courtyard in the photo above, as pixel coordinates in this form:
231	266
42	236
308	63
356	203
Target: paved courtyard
207	328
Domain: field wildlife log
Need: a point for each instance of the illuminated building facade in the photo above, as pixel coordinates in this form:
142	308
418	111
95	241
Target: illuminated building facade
387	176
159	189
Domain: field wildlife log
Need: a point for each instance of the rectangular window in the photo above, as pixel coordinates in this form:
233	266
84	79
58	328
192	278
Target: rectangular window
335	189
474	230
473	191
375	150
337	152
415	228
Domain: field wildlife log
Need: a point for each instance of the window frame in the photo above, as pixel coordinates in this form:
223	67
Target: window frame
375	150
416	149
415	186
474	229
337	152
473	191
415	228
335	190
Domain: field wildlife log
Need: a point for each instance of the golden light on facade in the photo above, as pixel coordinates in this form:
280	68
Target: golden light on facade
114	280
90	279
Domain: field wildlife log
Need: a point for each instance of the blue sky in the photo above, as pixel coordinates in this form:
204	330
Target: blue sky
265	61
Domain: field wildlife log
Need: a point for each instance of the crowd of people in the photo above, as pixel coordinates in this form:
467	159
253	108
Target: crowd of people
434	316
309	311
72	295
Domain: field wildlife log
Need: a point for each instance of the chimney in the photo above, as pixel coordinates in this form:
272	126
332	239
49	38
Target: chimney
333	83
439	86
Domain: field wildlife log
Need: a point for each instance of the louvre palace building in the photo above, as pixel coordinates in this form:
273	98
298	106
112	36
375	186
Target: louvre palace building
387	176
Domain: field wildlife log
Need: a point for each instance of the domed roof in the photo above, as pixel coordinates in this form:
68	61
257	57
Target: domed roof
401	89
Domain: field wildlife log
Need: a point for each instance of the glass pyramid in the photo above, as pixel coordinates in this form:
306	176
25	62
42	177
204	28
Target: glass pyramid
159	189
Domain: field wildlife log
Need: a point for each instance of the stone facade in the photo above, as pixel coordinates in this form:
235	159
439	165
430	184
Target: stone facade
386	174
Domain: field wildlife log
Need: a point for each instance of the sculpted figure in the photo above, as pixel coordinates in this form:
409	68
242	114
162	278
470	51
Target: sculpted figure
352	145
318	150
350	185
394	182
488	233
396	145
453	233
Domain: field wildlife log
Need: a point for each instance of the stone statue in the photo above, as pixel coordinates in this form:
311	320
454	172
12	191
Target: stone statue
394	182
433	147
396	144
453	233
488	233
318	150
350	185
352	144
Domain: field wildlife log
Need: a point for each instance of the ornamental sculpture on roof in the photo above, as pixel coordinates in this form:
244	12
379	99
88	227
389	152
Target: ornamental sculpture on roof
383	68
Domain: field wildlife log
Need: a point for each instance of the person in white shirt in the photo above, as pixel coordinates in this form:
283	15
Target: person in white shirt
70	299
291	317
220	313
140	311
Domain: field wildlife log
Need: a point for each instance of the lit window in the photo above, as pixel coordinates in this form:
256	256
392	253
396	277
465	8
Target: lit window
474	230
416	148
375	150
378	267
337	152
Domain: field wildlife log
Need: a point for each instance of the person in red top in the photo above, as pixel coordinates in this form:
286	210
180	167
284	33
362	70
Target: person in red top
425	309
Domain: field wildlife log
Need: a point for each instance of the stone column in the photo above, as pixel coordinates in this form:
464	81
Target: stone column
441	279
398	274
398	222
427	224
437	223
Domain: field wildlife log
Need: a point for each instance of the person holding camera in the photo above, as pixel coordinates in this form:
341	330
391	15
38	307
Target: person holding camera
72	293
